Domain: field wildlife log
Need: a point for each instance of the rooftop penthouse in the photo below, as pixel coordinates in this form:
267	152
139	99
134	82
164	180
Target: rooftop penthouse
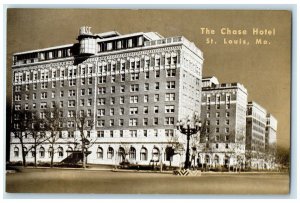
90	44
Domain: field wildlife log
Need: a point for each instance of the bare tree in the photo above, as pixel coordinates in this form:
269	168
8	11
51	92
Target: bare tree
21	129
84	123
53	125
174	147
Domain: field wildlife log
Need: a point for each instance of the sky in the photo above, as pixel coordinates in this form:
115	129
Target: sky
264	69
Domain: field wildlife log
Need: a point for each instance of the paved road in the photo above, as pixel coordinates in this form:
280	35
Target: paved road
108	182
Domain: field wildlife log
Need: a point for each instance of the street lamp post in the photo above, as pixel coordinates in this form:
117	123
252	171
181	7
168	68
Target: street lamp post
188	129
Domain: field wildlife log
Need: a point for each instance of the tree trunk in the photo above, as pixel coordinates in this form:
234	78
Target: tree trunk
83	155
35	155
23	153
52	155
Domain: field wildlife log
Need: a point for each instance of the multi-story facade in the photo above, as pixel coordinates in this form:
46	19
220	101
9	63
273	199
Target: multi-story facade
132	87
271	141
223	115
255	135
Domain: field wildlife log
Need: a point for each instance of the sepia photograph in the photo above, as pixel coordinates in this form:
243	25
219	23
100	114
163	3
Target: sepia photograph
148	101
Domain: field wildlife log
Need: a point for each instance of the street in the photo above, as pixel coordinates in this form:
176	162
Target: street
109	182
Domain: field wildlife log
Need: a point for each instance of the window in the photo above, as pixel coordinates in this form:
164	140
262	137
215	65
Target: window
217	130
169	121
133	110
156	97
169	132
226	137
82	92
71	103
100	133
134	88
145	121
44	85
100	153
113	78
70	124
81	102
226	146
112	101
146	99
121	111
133	133
43	105
122	88
26	106
60	152
146	110
72	82
147	75
101	90
170	109
90	91
110	153
217	145
101	123
217	138
113	89
134	76
155	121
111	122
16	152
121	133
122	100
227	106
157	73
101	101
90	81
217	122
170	84
171	73
226	130
156	109
71	134
132	153
170	97
122	79
143	154
44	95
100	112
89	103
72	93
133	99
218	114
227	122
112	111
133	122
82	81
101	79
61	93
146	87
121	122
155	154
208	115
156	87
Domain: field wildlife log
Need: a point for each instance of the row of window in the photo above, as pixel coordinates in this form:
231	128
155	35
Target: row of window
217	122
101	80
72	72
218	98
217	130
208	114
218	106
100	153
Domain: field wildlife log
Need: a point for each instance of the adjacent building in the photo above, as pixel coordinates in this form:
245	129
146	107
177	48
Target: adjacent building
255	135
132	87
271	141
223	115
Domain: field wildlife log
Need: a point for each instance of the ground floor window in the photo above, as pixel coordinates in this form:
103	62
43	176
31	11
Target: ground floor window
100	153
132	153
155	154
50	152
42	152
144	154
110	153
60	152
16	152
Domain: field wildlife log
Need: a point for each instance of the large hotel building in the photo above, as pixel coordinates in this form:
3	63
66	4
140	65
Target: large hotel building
132	87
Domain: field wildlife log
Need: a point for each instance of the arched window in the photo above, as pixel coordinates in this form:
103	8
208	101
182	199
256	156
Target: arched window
110	153
100	153
226	160
155	154
32	152
69	151
50	151
207	159
132	153
16	152
25	151
42	152
121	154
216	159
144	154
60	152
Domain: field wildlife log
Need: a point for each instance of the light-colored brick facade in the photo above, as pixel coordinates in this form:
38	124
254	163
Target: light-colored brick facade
133	88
